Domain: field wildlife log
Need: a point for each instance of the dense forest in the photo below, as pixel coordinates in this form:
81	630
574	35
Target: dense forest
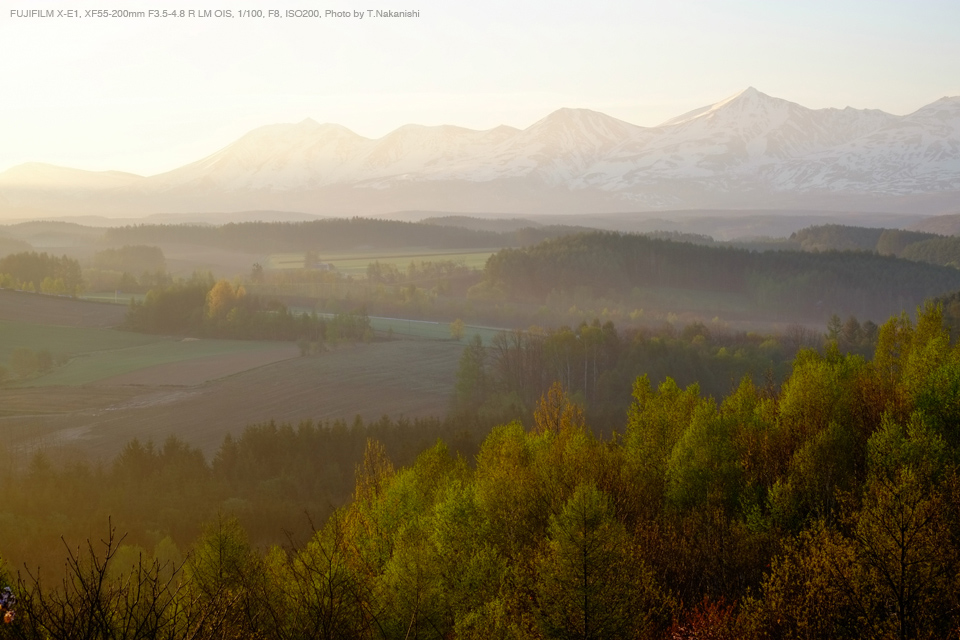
910	245
273	478
795	284
825	507
945	251
597	364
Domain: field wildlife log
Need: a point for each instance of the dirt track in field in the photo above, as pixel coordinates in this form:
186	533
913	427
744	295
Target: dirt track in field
54	310
400	378
200	370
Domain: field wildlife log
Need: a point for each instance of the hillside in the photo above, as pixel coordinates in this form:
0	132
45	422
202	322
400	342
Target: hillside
791	284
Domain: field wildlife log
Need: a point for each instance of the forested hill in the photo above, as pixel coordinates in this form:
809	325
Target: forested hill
802	284
912	245
837	237
326	235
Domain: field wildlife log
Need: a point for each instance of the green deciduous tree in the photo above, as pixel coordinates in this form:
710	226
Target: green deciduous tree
592	583
703	466
907	564
807	594
655	422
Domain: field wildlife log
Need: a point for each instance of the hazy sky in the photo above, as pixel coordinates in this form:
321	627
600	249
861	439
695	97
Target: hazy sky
148	95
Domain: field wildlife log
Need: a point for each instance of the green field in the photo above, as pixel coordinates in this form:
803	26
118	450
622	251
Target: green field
96	366
65	340
355	263
96	354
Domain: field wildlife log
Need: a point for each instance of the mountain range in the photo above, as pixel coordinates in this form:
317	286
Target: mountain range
749	151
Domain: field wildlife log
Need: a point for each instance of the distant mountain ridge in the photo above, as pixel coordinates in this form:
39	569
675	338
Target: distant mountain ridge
748	151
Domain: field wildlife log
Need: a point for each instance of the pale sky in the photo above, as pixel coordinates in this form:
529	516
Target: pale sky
147	95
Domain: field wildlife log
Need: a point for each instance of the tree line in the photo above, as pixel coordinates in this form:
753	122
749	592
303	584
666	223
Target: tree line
41	272
202	306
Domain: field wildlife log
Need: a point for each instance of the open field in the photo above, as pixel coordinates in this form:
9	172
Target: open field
25	402
197	370
72	341
122	357
369	380
355	263
168	361
66	312
120	385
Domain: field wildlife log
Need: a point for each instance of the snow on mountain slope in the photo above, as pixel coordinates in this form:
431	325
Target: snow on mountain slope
415	152
562	146
280	157
726	144
919	152
553	150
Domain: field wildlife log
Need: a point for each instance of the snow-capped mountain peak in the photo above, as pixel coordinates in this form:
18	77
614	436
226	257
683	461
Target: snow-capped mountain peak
747	100
569	129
